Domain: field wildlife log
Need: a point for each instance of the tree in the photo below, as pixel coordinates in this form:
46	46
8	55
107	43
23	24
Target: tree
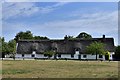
28	36
23	35
3	47
7	47
96	48
49	53
12	47
117	52
84	35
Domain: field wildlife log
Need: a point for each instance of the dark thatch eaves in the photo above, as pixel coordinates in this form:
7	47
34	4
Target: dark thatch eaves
63	46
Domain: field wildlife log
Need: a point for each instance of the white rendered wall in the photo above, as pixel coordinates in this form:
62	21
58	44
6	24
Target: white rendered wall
111	53
83	57
18	55
52	57
66	56
39	55
27	56
92	57
76	55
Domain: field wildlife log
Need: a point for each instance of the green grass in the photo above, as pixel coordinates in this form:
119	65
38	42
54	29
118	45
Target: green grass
59	69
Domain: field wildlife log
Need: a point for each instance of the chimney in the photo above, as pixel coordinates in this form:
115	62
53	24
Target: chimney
65	37
103	36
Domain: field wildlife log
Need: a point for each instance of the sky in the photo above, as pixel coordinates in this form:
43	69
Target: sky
57	19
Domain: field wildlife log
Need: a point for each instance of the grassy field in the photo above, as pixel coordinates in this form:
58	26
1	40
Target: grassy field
59	69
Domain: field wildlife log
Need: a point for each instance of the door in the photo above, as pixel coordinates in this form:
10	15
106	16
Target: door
79	56
106	57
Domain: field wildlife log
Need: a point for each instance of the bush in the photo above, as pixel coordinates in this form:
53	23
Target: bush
49	53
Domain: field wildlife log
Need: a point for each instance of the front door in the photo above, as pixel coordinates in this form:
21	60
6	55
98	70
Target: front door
106	57
79	56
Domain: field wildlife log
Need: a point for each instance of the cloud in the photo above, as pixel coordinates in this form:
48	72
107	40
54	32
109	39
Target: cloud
27	9
97	22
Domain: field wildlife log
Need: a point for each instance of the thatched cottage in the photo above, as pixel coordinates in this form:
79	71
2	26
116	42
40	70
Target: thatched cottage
64	48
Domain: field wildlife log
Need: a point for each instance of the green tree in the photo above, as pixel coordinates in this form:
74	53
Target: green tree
96	48
49	53
23	35
0	47
12	47
7	48
0	44
3	47
84	35
117	52
29	36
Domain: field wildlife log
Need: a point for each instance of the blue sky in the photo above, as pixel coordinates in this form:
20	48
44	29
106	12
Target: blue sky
57	19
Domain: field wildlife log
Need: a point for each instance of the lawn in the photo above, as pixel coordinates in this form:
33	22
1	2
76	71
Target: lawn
59	69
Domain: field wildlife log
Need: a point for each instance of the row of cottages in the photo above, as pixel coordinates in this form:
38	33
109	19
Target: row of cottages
64	48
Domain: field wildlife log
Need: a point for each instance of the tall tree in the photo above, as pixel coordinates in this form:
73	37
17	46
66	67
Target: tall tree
0	47
28	35
23	35
7	48
84	35
12	48
96	48
3	47
117	52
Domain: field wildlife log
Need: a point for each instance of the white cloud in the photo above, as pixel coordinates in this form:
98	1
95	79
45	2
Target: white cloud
26	9
15	9
97	23
102	22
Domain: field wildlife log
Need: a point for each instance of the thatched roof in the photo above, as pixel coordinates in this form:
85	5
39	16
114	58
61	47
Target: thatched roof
61	46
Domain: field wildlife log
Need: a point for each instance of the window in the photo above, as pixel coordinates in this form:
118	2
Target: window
45	55
33	55
72	55
59	55
84	56
100	56
22	55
